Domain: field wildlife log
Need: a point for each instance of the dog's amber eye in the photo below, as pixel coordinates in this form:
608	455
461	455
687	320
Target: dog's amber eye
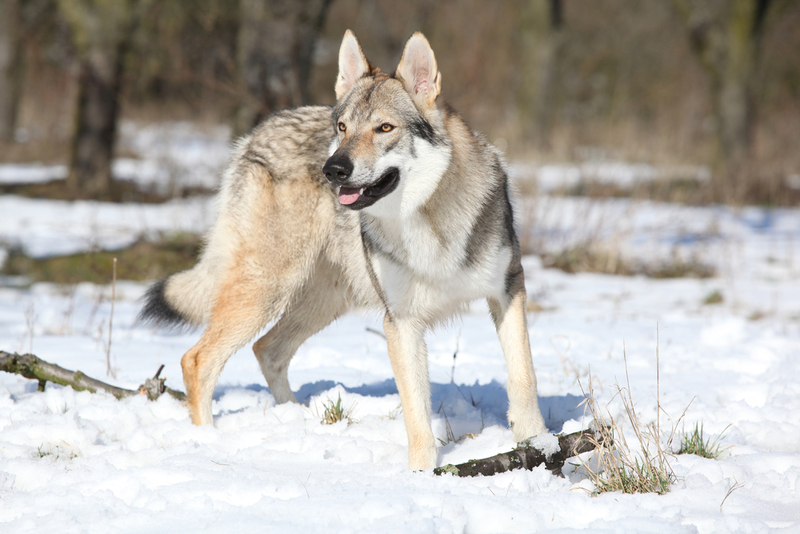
386	127
342	127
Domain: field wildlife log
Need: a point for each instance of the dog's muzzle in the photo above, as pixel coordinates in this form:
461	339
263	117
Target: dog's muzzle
339	168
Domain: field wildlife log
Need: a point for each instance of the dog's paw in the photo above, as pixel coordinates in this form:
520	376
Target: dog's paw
422	458
527	427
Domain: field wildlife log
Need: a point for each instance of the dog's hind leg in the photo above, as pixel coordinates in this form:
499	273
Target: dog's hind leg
322	299
265	272
510	319
238	315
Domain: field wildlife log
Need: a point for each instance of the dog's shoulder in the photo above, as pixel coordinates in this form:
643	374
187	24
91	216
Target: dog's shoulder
290	142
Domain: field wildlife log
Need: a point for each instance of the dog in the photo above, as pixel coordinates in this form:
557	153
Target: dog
387	199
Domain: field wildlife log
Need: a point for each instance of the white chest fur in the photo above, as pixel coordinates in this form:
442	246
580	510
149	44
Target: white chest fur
421	264
422	276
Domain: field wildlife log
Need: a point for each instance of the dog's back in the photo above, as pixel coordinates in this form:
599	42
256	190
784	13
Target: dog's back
272	202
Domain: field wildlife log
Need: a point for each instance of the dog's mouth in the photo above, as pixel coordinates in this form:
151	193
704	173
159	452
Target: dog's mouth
357	198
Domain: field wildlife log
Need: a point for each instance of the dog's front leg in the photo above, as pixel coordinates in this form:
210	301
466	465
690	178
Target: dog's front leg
509	316
409	358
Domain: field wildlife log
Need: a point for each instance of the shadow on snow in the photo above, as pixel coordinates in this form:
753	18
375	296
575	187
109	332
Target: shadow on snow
462	405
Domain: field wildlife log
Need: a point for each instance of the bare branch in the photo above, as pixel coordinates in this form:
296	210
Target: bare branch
35	368
527	457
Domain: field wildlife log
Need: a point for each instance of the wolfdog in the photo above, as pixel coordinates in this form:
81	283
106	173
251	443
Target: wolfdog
387	198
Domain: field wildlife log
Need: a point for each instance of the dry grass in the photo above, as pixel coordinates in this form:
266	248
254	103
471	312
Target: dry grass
144	260
761	188
590	240
714	297
119	191
616	465
684	190
450	436
56	452
594	257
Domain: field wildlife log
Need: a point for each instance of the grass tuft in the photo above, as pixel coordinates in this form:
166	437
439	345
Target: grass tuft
335	412
144	260
55	452
696	443
715	297
619	467
605	259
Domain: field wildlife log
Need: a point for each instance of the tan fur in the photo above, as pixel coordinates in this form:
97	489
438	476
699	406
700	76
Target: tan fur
409	359
284	250
258	271
512	329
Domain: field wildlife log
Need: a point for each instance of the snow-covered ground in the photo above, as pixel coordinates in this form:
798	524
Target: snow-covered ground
78	462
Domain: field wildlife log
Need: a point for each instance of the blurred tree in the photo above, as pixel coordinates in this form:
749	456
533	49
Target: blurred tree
101	31
726	36
542	41
10	66
183	56
276	45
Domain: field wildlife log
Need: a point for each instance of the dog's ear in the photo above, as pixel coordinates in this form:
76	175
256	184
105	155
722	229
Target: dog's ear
352	64
418	71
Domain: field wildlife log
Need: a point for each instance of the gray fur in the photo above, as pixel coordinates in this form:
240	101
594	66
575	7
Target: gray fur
420	244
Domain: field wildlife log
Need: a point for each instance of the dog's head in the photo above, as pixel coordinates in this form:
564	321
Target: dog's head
389	130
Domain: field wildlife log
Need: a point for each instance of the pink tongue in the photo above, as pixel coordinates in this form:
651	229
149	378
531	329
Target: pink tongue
348	195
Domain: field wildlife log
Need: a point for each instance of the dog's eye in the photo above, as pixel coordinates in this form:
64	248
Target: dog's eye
386	127
342	127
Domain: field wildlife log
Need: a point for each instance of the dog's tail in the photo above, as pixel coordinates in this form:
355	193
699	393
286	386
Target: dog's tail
181	299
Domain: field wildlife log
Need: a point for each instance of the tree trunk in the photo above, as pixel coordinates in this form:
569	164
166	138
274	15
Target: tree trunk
10	67
101	31
96	115
275	53
726	38
542	42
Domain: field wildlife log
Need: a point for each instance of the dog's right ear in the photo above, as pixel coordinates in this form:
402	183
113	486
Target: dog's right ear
352	64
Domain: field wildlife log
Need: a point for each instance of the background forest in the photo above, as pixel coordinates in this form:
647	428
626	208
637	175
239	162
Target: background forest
712	83
656	147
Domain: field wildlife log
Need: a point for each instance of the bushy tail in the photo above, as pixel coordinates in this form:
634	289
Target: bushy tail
182	299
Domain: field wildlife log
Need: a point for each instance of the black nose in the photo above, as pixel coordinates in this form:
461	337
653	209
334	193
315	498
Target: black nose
338	169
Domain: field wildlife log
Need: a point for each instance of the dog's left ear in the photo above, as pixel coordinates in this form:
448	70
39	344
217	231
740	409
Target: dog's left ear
418	71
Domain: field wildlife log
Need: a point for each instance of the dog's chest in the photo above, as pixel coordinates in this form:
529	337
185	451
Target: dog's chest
423	271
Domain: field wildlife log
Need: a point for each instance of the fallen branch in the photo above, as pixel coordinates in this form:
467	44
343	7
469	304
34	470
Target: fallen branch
35	368
527	456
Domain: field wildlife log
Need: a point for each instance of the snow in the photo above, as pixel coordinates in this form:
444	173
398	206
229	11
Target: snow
552	176
80	462
42	228
31	173
547	443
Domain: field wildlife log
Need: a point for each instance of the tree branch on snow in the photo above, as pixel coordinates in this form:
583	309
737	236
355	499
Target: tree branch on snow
528	456
35	368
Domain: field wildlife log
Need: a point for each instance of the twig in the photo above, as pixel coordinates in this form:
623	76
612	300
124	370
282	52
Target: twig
32	367
733	488
658	384
30	323
376	332
453	370
527	457
109	371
